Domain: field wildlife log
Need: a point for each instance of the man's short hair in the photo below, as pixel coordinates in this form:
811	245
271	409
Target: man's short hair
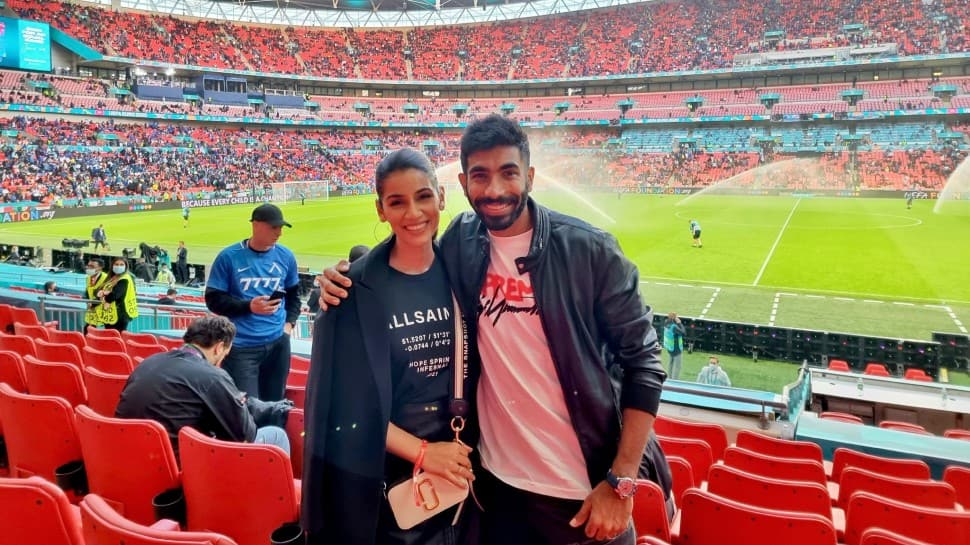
172	291
491	132
208	331
97	261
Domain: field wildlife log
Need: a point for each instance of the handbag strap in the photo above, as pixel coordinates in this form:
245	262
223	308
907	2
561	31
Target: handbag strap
458	405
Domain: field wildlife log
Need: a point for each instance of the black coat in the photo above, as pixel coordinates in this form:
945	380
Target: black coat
348	407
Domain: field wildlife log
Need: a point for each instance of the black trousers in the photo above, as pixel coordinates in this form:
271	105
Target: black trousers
518	517
260	371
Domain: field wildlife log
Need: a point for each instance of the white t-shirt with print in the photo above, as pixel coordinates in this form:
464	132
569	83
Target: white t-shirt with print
528	440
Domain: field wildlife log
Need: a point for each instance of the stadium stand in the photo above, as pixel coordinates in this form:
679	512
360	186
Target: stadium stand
102	525
210	466
739	523
667	38
39	433
42	511
128	462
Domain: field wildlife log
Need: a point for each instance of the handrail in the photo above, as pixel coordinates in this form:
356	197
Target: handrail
762	421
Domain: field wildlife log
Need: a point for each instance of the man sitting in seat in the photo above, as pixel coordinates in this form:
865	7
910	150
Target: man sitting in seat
713	374
187	387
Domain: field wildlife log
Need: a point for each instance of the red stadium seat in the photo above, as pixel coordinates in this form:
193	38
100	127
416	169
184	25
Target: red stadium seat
841	417
68	337
39	432
959	478
299	363
903	426
104	390
957	434
937	526
839	365
922	492
27	316
296	394
650	540
782	494
59	352
295	433
781	448
12	371
914	373
682	476
296	378
650	511
100	333
37	511
792	469
844	458
138	350
63	380
20	344
696	452
118	363
877	370
31	330
711	519
107	344
210	467
143	338
128	462
102	525
170	342
6	319
880	536
712	434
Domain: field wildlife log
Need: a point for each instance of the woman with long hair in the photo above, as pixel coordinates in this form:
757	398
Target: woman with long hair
381	377
119	300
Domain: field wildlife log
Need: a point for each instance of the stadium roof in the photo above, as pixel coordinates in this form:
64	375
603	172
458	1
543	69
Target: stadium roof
364	13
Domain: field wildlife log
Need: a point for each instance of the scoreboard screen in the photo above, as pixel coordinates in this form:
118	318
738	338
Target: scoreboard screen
25	45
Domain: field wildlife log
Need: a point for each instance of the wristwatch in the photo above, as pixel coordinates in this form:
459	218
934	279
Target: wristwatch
625	487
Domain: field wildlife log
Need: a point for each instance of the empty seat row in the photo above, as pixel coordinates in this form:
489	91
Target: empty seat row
129	462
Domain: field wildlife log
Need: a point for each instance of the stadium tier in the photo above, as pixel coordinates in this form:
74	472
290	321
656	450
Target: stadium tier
649	37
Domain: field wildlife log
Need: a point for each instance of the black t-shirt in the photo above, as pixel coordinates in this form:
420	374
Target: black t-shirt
420	328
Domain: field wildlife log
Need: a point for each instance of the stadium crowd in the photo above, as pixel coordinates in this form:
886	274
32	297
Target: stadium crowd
53	161
650	37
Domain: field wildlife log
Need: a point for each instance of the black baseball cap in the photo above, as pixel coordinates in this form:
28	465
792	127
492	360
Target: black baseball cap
269	213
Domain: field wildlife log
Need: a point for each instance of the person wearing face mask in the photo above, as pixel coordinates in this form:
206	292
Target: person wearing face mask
96	278
119	301
188	387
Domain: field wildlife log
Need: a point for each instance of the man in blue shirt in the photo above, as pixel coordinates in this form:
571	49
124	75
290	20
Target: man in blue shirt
255	284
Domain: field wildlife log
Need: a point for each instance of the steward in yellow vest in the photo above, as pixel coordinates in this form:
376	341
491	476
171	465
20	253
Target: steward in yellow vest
119	302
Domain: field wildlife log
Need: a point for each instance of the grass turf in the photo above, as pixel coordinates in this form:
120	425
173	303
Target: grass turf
850	265
865	266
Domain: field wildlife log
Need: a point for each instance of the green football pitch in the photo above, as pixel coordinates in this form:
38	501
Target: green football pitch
865	266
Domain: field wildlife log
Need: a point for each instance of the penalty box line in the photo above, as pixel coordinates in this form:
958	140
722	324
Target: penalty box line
710	302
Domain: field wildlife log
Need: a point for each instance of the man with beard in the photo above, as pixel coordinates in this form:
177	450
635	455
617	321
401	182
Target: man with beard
559	462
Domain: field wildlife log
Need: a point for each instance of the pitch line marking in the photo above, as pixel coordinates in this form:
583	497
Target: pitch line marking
904	304
956	320
774	307
771	252
710	302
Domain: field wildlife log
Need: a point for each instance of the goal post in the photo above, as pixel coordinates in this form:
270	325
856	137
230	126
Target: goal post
297	190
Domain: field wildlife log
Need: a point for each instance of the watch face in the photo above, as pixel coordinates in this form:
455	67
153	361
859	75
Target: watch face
626	487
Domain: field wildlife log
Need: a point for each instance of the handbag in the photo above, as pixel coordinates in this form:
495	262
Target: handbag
424	495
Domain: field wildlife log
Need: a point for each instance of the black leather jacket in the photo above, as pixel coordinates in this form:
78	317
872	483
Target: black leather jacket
600	334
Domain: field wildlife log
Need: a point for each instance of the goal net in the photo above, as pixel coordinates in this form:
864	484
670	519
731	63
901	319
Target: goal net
295	191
